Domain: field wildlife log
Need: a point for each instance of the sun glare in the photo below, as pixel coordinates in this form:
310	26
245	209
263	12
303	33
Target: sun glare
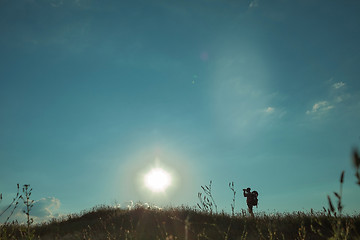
157	180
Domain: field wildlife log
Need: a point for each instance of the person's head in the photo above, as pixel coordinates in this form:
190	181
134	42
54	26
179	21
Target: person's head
248	189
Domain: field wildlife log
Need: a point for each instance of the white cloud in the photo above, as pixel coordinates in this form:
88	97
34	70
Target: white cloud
338	85
254	3
43	209
270	110
274	113
337	97
320	107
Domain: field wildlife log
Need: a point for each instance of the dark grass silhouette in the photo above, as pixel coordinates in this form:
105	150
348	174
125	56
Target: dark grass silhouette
185	223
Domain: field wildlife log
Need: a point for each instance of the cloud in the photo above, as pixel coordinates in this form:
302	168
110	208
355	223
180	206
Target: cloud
320	107
254	3
56	3
45	207
270	110
338	85
337	97
275	113
43	210
339	92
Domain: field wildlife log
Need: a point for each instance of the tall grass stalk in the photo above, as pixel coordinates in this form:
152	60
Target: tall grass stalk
12	206
207	201
232	188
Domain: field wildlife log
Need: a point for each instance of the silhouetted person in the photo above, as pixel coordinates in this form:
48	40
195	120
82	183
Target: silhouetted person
251	199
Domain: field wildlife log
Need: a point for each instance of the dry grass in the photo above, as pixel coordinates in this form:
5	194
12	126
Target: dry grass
185	223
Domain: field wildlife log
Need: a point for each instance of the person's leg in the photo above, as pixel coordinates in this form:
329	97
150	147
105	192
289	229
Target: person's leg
251	210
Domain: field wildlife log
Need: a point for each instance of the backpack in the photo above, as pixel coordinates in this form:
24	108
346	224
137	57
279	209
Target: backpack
254	199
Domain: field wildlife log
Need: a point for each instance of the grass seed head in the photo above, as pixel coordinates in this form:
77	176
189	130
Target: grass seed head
342	177
356	158
332	209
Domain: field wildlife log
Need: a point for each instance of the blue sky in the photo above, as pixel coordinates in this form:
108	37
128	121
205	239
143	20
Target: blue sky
93	94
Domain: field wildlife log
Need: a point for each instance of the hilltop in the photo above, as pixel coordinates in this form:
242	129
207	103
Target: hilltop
186	223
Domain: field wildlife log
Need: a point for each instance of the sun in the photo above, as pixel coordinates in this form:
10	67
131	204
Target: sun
157	180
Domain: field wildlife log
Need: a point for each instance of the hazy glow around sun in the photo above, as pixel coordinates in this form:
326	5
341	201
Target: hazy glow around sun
157	180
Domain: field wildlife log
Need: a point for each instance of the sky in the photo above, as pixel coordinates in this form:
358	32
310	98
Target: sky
94	94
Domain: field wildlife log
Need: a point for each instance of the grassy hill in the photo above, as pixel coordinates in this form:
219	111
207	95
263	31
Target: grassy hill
185	223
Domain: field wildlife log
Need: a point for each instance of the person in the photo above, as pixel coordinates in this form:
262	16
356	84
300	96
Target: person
251	199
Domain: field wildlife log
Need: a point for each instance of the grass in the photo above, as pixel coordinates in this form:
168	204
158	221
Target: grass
186	223
203	222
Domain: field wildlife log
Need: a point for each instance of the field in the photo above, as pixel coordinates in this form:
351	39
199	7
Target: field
185	223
